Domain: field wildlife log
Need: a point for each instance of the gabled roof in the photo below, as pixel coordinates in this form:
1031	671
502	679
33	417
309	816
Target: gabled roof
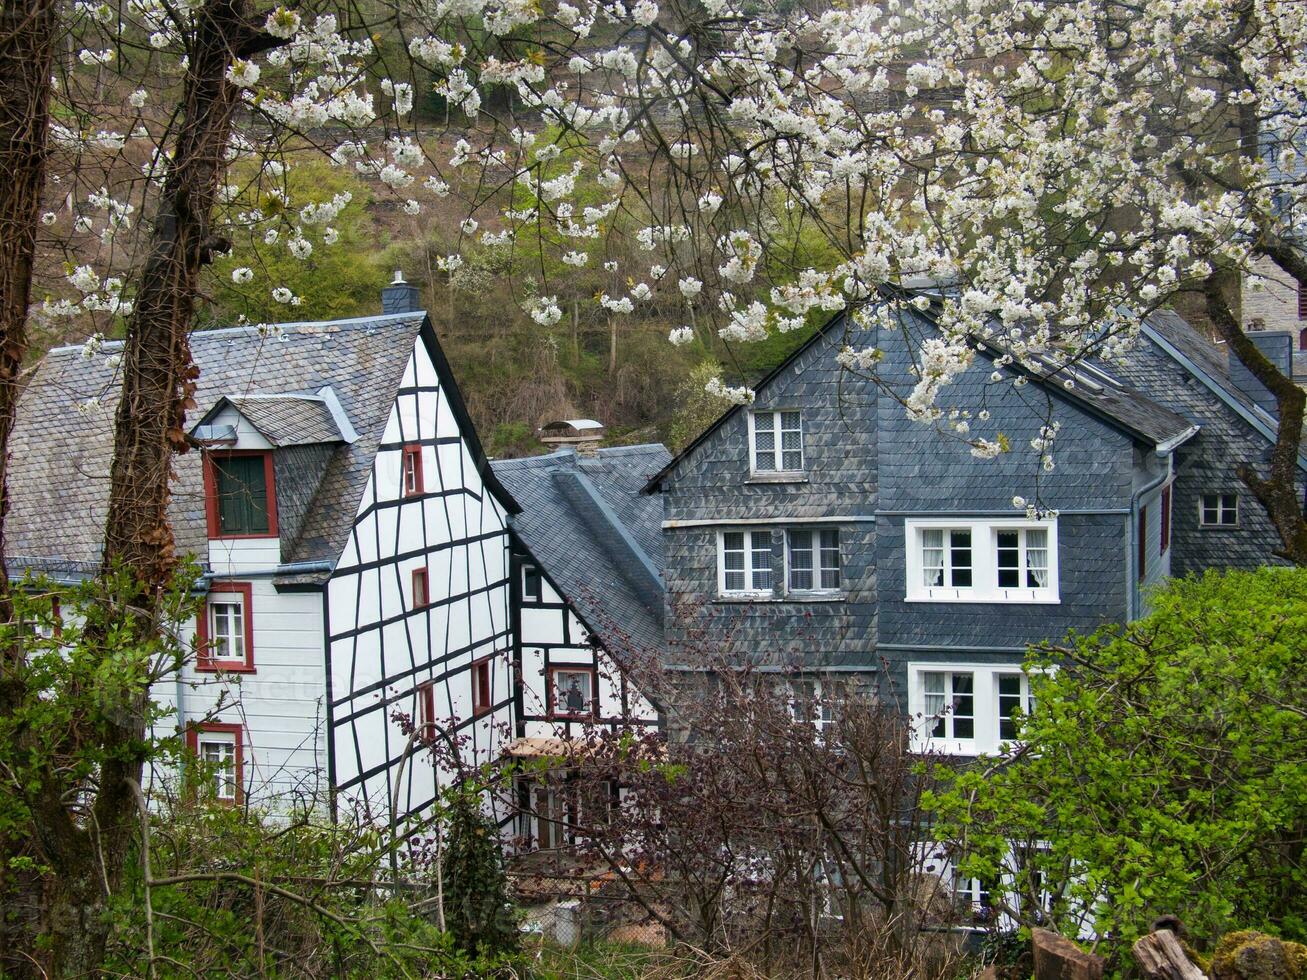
283	419
1196	354
63	437
1124	408
596	536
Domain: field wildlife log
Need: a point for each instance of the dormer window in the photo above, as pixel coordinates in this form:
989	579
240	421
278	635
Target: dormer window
240	495
777	440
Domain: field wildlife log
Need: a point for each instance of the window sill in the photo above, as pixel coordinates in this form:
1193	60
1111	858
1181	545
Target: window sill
1218	527
1007	597
272	536
788	597
224	667
796	476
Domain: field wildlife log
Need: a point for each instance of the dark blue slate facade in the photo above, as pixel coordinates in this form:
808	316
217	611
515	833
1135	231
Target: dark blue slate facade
1126	444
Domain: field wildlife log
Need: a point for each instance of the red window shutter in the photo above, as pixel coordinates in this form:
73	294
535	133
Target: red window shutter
1302	302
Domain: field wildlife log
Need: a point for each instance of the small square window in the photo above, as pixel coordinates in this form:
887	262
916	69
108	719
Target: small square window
481	692
411	477
572	692
1022	558
777	442
1218	510
946	557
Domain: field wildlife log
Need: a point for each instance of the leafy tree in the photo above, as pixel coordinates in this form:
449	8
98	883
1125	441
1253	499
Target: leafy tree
1163	770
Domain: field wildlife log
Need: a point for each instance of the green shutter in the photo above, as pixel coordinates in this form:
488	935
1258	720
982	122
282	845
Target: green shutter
242	495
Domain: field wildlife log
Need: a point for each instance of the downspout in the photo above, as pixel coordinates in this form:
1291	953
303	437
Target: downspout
1135	498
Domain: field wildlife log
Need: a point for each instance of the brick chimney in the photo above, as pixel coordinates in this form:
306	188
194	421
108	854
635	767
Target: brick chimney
1277	345
400	296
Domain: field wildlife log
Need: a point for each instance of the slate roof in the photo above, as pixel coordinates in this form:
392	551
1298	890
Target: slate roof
290	420
59	470
1210	365
590	562
1122	406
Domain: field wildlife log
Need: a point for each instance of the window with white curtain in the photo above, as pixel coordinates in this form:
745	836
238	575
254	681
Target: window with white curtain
951	560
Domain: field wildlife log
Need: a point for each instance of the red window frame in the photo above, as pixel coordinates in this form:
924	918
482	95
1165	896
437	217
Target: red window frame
1143	542
426	709
1166	520
222	728
594	692
203	660
411	466
421	588
211	493
482	698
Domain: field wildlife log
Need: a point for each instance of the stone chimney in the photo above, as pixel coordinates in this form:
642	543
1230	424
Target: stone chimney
584	435
400	296
1277	345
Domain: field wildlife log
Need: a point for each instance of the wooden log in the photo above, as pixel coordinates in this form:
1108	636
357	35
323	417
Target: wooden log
1058	958
1161	957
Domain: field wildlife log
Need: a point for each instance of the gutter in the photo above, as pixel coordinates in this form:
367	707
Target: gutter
1133	606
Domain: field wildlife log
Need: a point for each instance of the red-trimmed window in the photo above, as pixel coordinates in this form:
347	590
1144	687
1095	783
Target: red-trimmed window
572	692
1143	542
481	697
1166	521
218	747
411	472
240	494
427	710
421	593
224	634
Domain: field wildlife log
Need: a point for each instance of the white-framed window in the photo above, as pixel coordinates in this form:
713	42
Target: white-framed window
1218	510
744	562
981	560
974	904
812	559
776	441
217	750
227	626
809	702
967	709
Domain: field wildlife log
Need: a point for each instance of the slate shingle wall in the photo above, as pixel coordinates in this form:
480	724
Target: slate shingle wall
1205	464
783	631
713	483
297	472
865	458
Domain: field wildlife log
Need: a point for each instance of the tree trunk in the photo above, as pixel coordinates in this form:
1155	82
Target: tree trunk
158	374
28	34
158	381
27	40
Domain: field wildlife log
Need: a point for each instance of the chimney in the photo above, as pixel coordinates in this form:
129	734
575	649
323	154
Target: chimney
400	296
584	435
1277	345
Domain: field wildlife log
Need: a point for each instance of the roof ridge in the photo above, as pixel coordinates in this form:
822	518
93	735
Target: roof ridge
376	319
